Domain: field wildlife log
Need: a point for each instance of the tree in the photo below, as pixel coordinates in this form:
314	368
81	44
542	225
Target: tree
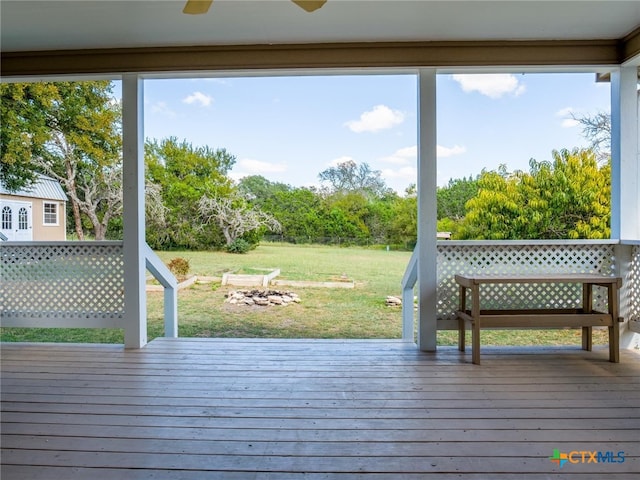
26	128
70	131
568	197
259	190
234	216
453	197
345	214
299	212
185	174
351	177
404	224
597	129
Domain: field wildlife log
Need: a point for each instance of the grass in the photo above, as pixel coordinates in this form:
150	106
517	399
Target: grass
323	313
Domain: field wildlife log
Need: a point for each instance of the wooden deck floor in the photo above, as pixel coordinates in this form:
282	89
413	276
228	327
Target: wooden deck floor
198	409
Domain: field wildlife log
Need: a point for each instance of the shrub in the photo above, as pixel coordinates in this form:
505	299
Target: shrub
179	267
239	246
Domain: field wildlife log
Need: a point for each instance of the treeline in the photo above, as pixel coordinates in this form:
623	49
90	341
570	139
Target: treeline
354	206
567	197
71	131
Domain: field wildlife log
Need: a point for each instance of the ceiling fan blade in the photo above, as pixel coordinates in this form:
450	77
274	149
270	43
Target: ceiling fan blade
309	5
197	7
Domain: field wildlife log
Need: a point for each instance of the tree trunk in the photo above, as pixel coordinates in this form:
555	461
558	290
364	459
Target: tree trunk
99	231
77	220
227	235
75	207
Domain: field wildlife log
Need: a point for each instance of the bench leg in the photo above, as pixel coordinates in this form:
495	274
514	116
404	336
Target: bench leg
614	342
462	306
614	329
475	325
475	342
587	339
587	307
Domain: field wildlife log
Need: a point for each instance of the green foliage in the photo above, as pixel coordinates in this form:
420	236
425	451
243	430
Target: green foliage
449	225
239	245
305	213
566	198
296	209
26	129
70	131
179	267
453	198
350	177
184	174
403	228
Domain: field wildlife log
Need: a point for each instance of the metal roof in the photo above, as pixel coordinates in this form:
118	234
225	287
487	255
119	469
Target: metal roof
43	187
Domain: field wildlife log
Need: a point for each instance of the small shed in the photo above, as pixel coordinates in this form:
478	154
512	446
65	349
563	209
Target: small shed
36	212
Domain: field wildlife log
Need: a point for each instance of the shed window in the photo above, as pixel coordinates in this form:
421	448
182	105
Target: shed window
23	222
7	221
50	213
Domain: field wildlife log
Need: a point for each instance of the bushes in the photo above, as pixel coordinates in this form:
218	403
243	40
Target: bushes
179	267
239	245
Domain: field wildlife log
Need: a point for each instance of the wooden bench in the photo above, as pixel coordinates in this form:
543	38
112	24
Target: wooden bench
584	317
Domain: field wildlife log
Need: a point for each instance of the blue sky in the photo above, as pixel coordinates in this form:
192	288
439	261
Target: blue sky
289	129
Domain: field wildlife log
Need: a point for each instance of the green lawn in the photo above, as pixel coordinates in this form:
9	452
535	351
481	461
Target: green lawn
323	313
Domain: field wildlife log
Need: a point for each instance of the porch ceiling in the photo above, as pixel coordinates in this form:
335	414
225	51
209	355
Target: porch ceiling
45	26
51	25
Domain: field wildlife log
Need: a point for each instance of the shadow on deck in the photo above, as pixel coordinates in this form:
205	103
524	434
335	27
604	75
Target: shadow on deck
314	409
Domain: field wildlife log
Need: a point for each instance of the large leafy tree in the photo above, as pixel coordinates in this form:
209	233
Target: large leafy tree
297	209
261	191
185	174
348	177
345	215
596	128
26	129
70	131
234	216
404	223
453	197
568	197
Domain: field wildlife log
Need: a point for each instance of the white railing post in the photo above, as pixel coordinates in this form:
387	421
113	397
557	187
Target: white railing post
427	211
408	283
161	273
625	154
135	298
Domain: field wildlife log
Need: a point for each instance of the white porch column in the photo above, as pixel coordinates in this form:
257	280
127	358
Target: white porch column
135	297
427	210
625	158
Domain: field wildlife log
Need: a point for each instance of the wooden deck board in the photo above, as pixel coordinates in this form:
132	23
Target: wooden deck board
313	409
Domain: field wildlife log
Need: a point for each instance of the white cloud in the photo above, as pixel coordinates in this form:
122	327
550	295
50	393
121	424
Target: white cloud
444	152
409	155
565	112
567	117
569	123
237	176
199	97
162	108
493	85
378	118
255	167
402	156
399	179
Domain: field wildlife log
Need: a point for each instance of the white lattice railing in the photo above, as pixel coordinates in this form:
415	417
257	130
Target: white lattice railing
73	284
630	301
532	256
62	284
522	257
